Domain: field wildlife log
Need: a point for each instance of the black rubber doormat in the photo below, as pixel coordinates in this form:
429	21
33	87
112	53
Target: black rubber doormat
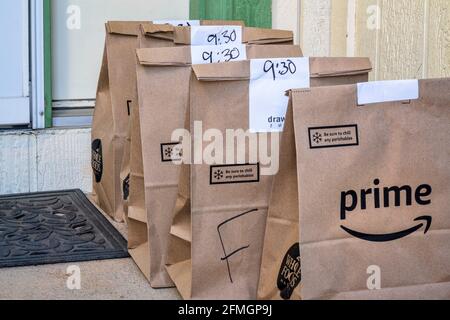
55	227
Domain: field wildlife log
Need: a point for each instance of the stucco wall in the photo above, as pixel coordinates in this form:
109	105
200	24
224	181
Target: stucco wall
44	160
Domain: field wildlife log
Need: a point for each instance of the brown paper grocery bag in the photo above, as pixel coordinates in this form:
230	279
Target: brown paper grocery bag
132	178
138	246
151	36
372	167
282	219
228	217
170	68
110	125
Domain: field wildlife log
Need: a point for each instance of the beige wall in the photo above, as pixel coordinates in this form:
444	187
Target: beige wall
412	40
45	160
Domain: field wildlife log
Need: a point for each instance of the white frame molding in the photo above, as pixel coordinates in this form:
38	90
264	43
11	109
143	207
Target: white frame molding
37	64
15	110
299	23
73	113
351	28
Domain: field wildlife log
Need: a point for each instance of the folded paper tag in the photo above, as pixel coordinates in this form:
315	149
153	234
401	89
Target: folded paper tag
217	54
215	35
270	79
387	91
179	23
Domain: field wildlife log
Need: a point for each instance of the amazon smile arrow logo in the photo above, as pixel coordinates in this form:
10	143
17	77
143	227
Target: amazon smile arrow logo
379	197
427	220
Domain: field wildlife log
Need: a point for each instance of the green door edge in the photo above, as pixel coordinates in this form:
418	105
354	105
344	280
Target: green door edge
48	91
255	13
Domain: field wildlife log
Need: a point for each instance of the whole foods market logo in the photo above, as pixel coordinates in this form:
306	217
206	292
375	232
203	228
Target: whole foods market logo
290	272
386	197
126	188
97	160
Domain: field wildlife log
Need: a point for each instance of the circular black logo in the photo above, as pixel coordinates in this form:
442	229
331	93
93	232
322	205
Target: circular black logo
97	160
126	187
290	274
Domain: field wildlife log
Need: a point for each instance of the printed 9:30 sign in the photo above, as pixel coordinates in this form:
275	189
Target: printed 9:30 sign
280	68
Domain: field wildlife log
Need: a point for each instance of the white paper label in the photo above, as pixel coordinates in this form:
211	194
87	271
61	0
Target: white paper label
387	91
218	54
179	23
270	79
216	35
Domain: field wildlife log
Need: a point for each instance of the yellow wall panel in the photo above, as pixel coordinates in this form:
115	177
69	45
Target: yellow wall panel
315	27
366	31
439	39
339	10
401	39
286	15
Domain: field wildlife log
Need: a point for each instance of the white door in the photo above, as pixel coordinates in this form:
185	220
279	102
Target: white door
79	33
14	63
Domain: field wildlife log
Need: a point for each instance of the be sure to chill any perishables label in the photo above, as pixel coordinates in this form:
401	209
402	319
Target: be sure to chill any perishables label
333	137
231	174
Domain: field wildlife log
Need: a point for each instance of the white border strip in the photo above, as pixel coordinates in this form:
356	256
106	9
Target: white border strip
25	49
351	28
387	91
37	64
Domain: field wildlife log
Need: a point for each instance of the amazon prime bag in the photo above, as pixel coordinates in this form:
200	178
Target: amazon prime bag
162	109
373	170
